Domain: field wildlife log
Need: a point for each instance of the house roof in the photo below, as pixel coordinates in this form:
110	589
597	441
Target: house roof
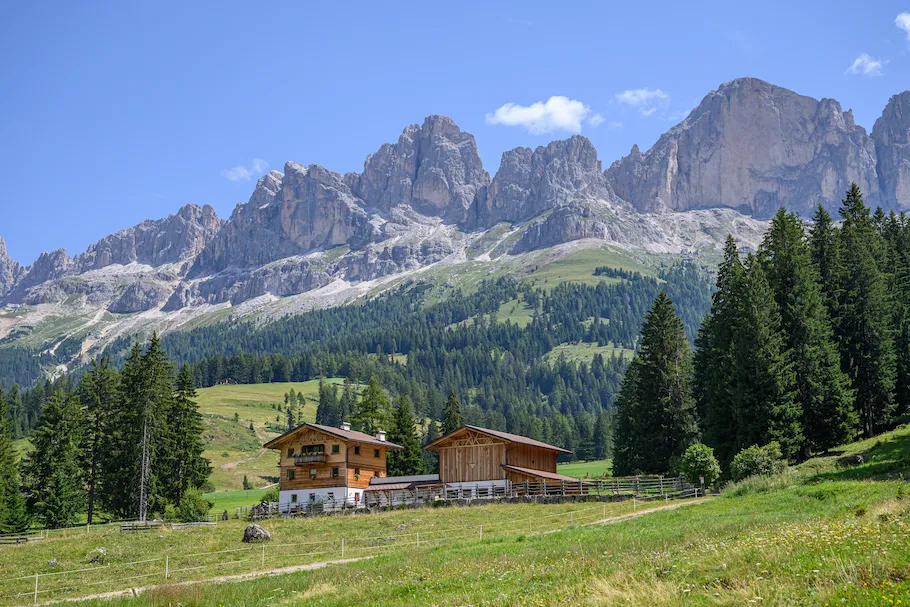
418	478
550	476
509	438
351	436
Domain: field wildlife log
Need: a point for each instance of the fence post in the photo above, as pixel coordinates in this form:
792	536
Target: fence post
167	566
418	539
36	588
342	547
481	533
263	555
571	518
605	511
633	503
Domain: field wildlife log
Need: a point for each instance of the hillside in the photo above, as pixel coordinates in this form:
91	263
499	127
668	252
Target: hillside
822	533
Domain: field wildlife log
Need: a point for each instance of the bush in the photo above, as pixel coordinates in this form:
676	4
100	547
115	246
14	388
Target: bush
270	496
757	461
759	484
193	507
699	461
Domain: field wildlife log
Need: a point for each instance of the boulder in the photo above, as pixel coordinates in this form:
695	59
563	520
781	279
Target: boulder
255	533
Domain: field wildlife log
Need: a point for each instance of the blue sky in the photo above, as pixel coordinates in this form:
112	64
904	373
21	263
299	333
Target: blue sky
117	112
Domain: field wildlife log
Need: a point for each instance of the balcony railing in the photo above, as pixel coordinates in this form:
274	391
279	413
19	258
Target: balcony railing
309	458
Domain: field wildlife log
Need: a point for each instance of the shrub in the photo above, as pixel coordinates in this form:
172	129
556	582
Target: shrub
270	496
757	461
759	484
699	461
193	507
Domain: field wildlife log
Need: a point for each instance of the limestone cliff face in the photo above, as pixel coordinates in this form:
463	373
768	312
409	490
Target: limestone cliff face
173	239
529	183
10	271
891	134
752	146
434	168
304	209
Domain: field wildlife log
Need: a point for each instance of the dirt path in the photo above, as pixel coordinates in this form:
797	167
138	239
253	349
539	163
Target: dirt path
314	566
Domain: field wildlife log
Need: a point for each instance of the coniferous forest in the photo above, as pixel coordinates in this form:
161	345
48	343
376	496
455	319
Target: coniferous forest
805	347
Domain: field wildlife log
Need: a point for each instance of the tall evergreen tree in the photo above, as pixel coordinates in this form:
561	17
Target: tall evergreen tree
348	401
864	324
764	399
184	465
328	408
403	432
824	246
372	413
99	392
822	389
714	365
13	515
452	419
658	417
602	436
53	470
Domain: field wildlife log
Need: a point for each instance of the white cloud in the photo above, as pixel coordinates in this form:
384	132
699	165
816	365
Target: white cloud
615	125
242	173
646	100
557	113
903	21
866	66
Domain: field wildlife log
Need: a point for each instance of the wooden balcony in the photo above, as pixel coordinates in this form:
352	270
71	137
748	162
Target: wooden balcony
309	458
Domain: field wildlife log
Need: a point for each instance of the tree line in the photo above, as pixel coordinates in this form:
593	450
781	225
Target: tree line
127	444
806	346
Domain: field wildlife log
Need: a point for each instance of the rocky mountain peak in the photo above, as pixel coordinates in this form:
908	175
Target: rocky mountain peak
891	134
434	168
529	183
753	146
10	270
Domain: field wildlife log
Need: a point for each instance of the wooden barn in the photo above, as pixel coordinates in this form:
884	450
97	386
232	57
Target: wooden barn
327	467
478	462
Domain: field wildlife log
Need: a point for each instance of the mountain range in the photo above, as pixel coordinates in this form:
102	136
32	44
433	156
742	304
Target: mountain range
425	207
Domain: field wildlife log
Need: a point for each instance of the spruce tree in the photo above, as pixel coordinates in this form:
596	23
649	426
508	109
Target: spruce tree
372	411
403	432
824	246
602	436
822	390
431	458
714	365
348	401
764	404
328	409
99	392
864	325
184	465
658	418
452	419
13	515
52	470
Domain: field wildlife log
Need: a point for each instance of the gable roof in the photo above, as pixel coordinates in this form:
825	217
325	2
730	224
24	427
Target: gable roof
350	436
505	436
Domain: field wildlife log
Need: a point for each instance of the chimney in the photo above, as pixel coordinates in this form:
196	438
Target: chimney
346	426
380	435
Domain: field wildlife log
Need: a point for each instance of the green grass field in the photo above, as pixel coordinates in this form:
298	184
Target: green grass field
829	532
593	469
585	352
579	267
231	500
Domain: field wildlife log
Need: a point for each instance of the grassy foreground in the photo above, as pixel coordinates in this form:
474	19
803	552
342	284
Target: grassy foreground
827	533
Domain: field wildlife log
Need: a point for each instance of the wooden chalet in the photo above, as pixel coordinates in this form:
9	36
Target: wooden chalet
478	462
322	466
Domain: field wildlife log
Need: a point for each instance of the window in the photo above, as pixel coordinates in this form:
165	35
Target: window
291	475
312	497
334	472
293	498
357	450
375	452
312	473
377	474
313	449
290	451
335	448
356	471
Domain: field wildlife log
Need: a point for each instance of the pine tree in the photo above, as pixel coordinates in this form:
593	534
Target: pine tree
822	389
452	419
100	395
628	437
864	325
657	402
185	467
602	436
824	246
13	515
372	411
327	410
403	432
714	365
764	399
348	401
53	470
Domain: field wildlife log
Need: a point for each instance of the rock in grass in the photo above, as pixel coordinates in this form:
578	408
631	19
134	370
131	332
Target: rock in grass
97	556
255	533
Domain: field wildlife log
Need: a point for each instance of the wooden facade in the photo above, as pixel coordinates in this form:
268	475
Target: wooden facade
319	457
472	454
